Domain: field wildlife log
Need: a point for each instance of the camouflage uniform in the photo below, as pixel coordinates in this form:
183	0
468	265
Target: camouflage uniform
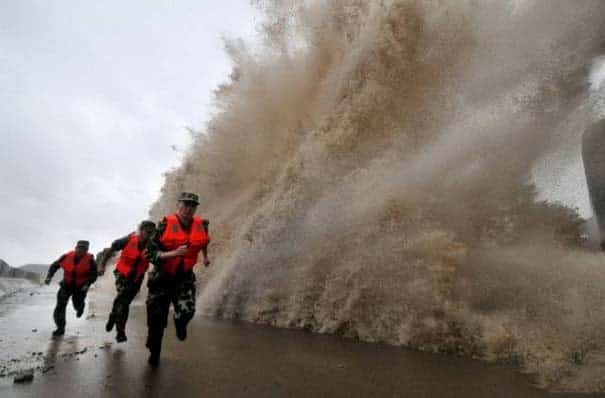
165	289
127	289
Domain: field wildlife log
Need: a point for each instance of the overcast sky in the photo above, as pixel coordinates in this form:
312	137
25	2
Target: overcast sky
93	95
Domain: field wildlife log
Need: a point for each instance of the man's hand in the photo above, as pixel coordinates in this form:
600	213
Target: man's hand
47	281
180	251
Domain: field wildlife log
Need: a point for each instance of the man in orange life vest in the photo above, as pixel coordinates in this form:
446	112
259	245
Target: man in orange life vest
129	273
79	272
174	251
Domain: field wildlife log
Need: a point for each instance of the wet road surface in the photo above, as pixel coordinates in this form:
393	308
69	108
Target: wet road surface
221	359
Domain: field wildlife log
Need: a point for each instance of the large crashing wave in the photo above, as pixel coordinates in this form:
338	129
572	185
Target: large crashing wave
367	173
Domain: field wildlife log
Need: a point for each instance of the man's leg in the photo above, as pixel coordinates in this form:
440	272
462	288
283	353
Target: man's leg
78	299
158	304
59	313
184	305
116	302
121	300
123	308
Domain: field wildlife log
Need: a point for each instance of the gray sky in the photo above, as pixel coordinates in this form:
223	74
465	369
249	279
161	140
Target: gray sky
92	97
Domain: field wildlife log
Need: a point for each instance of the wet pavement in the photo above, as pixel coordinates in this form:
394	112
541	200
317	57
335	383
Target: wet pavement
221	359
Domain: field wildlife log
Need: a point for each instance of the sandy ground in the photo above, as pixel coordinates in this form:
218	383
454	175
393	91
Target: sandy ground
221	358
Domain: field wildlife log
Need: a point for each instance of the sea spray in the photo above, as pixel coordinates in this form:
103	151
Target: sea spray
368	173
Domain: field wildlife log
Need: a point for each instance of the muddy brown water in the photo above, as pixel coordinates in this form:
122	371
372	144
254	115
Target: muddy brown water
223	359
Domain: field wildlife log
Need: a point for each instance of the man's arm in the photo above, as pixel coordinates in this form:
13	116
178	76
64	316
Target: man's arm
154	246
205	254
54	267
117	245
205	247
155	249
92	274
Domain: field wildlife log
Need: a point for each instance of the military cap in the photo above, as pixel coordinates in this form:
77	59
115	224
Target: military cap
189	197
147	225
83	243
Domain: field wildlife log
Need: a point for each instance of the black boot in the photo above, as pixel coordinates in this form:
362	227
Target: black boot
79	312
154	352
181	330
154	358
110	322
154	344
59	332
121	336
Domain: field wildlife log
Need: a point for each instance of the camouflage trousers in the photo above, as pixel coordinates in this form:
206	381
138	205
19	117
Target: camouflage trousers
163	291
78	298
126	292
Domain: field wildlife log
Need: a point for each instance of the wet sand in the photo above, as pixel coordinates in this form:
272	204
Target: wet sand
222	359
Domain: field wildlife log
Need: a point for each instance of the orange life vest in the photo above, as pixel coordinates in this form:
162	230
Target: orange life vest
174	236
132	264
76	274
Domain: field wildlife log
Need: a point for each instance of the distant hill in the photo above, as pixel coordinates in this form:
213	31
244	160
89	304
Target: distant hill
40	269
6	271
